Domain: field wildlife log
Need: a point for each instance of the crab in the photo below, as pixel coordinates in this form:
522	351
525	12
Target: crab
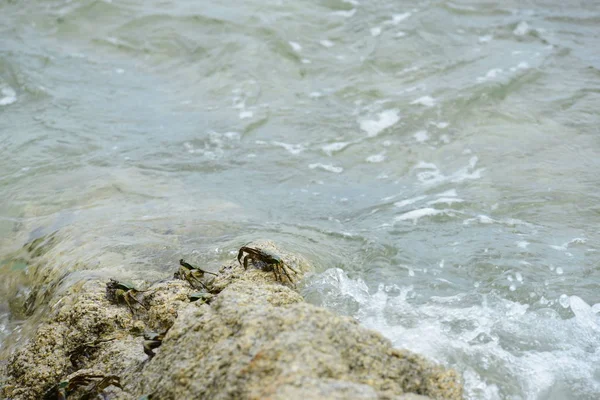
94	384
269	261
152	341
85	350
123	292
202	296
191	273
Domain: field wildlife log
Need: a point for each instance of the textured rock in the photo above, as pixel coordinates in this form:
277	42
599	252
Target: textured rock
256	339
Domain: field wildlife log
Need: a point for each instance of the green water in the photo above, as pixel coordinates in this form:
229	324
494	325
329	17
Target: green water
437	161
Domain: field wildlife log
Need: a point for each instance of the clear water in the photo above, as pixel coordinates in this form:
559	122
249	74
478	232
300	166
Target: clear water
438	161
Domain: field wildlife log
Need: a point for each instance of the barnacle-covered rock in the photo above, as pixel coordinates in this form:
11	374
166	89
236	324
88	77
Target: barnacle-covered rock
254	339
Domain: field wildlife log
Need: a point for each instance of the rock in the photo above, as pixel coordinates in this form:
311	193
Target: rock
254	339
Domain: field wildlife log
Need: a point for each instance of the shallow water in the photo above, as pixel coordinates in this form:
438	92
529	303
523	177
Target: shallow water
437	160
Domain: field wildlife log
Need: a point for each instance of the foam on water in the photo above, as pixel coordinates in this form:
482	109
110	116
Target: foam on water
426	101
440	125
385	119
566	245
213	145
345	13
397	18
491	74
522	29
294	149
445	200
326	167
246	114
430	174
421	136
504	349
415	215
9	96
331	148
486	220
295	46
406	202
376	158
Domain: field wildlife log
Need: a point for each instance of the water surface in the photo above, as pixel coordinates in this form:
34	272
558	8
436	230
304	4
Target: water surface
436	160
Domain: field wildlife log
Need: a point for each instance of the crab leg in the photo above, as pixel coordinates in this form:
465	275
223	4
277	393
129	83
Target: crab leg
246	259
132	296
286	274
188	275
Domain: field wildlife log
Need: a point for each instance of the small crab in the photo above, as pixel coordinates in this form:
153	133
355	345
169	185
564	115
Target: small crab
269	261
84	351
191	274
94	384
202	296
123	292
152	341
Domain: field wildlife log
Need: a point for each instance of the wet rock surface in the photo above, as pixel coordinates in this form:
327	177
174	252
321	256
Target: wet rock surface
252	338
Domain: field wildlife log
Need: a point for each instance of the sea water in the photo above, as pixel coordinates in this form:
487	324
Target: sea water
437	161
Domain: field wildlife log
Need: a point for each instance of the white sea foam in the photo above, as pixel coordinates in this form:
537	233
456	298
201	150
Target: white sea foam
294	149
521	65
519	277
431	175
246	114
397	18
445	200
448	193
385	120
376	31
521	29
485	39
491	74
415	215
331	148
406	202
326	43
484	219
408	70
213	145
440	125
345	13
376	158
534	352
9	96
421	136
566	245
426	101
295	46
326	167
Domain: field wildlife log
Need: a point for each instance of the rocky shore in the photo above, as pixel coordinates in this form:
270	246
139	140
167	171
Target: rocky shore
247	336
